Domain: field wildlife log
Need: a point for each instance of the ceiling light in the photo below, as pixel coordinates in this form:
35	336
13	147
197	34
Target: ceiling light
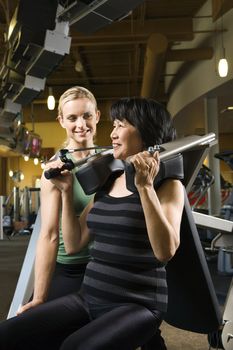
223	67
26	158
222	64
51	100
78	66
16	176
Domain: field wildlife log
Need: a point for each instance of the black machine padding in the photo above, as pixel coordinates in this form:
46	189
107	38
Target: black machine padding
192	302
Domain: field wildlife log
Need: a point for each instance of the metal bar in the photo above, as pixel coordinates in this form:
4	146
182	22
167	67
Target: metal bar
213	223
25	284
84	160
72	150
227	315
183	144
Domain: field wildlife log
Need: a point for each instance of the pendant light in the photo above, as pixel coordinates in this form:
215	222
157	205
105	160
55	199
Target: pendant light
222	63
51	100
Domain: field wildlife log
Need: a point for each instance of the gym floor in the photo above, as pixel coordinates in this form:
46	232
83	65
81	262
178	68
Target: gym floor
12	252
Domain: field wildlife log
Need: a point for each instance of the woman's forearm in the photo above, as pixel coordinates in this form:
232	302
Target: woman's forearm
163	219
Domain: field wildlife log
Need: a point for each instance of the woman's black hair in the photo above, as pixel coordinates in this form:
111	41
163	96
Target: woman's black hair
150	117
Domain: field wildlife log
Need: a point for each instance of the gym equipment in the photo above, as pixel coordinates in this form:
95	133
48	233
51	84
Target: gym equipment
224	238
198	312
21	212
227	208
225	253
203	181
1	216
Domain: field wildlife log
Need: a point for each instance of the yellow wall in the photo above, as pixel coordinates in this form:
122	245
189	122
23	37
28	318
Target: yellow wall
53	136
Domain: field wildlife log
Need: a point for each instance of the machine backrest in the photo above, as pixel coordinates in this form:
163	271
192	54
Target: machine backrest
192	301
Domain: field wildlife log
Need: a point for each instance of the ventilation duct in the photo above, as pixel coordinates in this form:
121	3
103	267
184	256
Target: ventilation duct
29	23
88	16
36	45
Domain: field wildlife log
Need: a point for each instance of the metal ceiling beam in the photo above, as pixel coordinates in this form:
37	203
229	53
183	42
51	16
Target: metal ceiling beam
174	29
110	42
205	53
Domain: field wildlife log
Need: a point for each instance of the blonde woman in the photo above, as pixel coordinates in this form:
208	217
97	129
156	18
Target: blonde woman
56	272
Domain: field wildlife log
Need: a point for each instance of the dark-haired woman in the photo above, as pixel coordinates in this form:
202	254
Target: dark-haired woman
124	294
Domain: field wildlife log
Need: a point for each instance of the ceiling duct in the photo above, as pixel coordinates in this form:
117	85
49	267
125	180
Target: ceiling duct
6	130
39	59
8	123
88	16
56	45
36	45
21	89
7	133
7	143
26	26
29	90
9	111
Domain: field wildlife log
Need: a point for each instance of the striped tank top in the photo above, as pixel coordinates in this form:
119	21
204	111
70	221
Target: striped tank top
123	268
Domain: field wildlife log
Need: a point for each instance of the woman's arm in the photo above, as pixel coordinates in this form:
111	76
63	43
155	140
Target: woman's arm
163	212
162	208
47	245
74	229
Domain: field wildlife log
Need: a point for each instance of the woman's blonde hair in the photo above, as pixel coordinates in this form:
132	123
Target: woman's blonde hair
74	93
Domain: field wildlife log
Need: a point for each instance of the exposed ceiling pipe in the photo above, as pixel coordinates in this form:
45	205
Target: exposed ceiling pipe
156	49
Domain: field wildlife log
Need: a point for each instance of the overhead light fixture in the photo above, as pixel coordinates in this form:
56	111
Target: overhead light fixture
78	66
222	63
227	109
51	100
16	176
26	157
36	161
223	67
42	165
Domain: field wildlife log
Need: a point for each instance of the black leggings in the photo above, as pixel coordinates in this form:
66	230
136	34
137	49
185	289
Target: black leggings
66	324
67	278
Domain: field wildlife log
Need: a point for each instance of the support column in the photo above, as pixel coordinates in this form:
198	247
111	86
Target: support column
156	50
3	171
211	125
1	217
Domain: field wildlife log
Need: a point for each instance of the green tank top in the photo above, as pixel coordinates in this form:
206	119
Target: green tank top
80	202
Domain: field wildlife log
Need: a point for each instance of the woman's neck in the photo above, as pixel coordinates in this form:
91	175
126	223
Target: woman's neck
119	188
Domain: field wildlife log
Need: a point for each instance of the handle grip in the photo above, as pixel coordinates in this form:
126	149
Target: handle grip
54	172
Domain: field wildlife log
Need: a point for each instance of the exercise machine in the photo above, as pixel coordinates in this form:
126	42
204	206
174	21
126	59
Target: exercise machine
193	304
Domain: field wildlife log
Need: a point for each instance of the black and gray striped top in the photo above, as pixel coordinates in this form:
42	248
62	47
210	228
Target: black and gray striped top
123	267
